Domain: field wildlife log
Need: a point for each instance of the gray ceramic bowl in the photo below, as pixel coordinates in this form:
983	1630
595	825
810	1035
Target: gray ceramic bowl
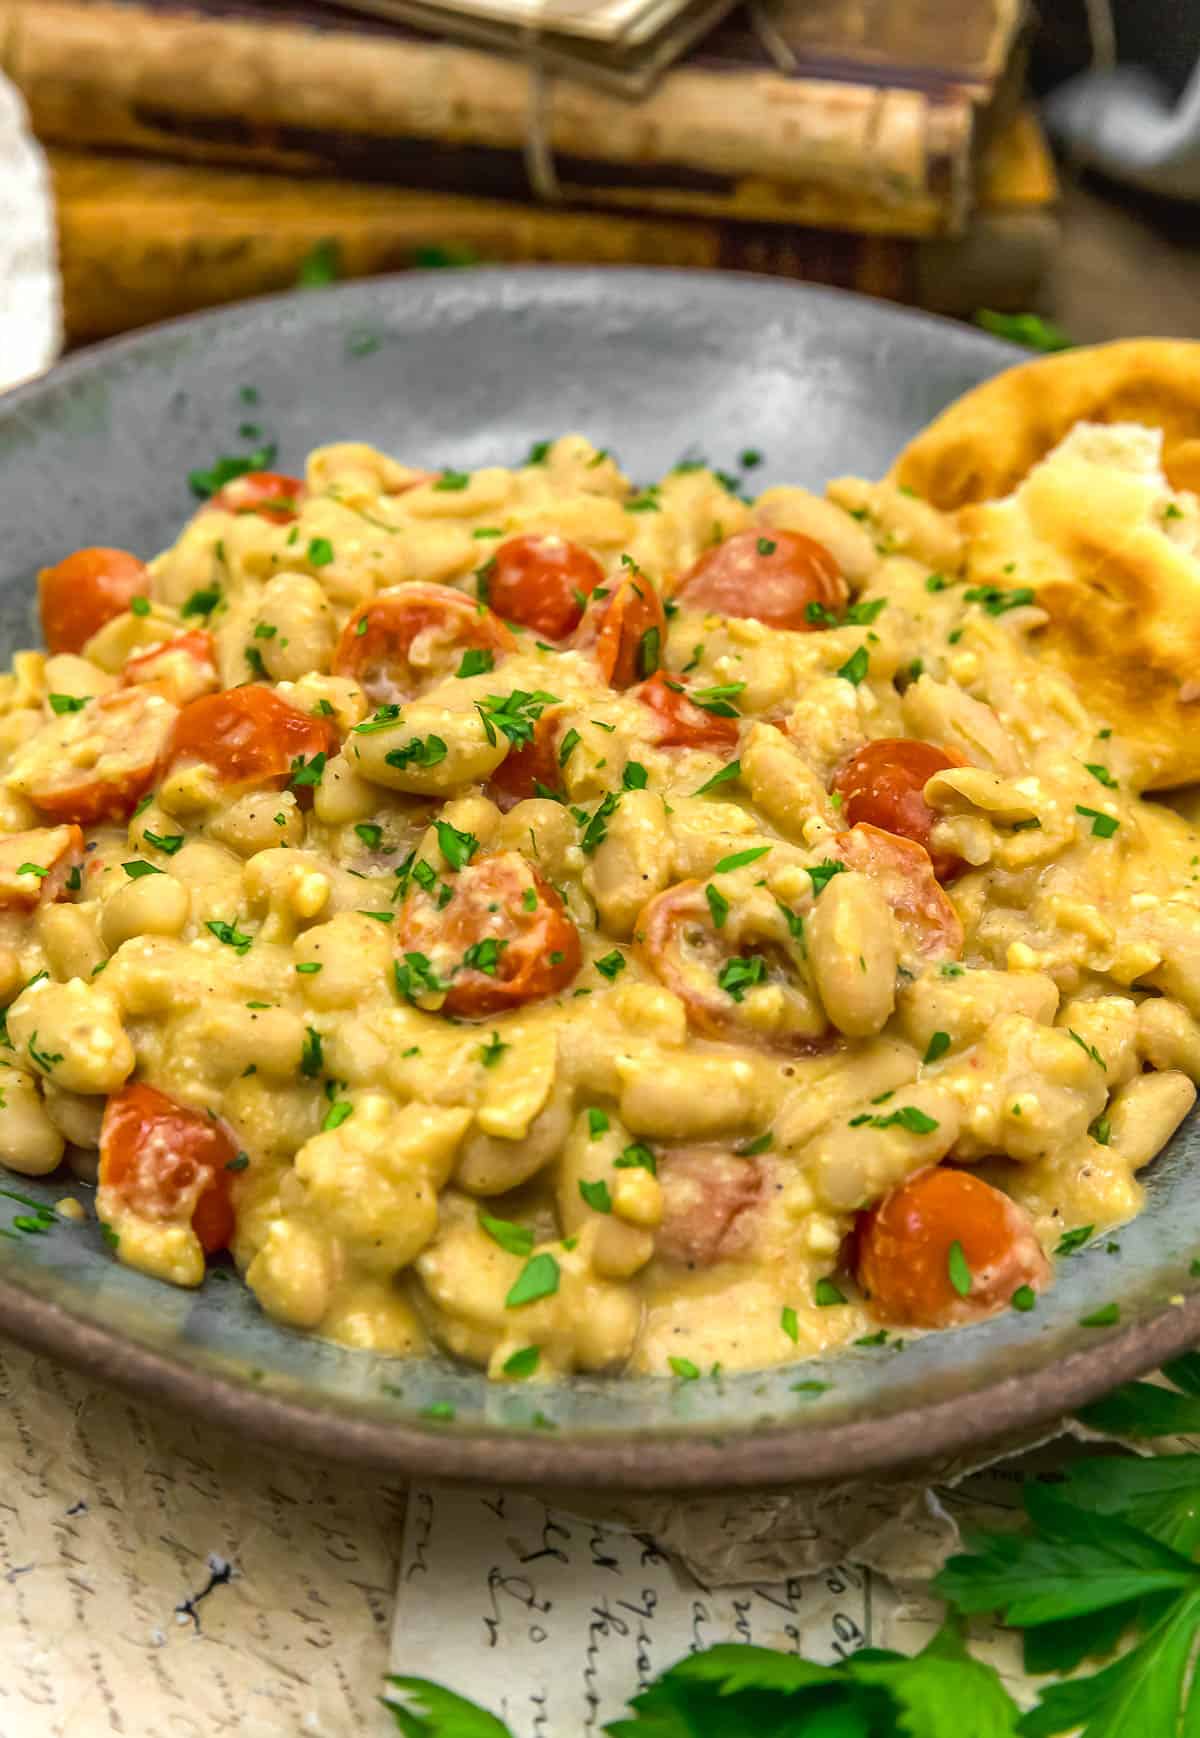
466	369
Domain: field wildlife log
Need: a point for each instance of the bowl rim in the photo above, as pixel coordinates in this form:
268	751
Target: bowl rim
693	1459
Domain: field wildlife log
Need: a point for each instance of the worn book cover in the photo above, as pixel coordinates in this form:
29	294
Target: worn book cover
142	240
859	113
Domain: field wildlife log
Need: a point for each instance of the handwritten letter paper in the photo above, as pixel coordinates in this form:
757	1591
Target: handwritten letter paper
553	1621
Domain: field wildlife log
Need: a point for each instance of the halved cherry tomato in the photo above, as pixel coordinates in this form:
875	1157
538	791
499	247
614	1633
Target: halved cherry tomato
929	926
47	855
770	576
161	1161
407	639
183	668
884	784
86	590
712	970
711	1202
523	769
625	632
678	721
249	736
904	1246
503	938
543	583
267	493
94	765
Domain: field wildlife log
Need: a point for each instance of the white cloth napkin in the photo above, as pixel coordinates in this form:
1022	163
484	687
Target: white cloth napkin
30	300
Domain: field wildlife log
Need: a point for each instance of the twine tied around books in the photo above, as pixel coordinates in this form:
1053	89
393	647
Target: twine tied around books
537	150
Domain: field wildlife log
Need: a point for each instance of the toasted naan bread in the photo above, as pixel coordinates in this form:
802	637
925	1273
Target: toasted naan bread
1074	475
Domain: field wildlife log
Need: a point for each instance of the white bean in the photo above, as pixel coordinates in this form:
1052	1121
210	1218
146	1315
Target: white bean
852	951
29	1141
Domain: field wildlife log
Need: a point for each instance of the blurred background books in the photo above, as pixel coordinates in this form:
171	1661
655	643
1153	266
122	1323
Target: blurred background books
203	151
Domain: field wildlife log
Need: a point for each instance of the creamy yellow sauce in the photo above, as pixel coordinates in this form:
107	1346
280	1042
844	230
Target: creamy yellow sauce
404	1171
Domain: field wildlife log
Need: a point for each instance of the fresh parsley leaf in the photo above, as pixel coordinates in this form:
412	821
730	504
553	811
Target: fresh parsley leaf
1027	329
596	1195
456	847
856	666
732	771
741	973
516	1239
740	859
476	661
821	874
537	1279
996	601
1103	826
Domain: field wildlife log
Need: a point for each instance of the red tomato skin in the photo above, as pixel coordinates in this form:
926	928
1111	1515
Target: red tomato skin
614	631
85	591
736	578
883	784
155	1152
377	657
249	736
88	799
928	922
525	971
678	721
270	494
903	1250
523	769
534	581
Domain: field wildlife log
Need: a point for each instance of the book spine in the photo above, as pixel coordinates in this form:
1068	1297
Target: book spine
145	241
284	95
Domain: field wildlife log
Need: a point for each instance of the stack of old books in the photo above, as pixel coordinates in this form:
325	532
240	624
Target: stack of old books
203	149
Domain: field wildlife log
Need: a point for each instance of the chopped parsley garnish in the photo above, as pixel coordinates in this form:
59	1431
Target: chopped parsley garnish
382	719
336	1115
137	870
597	1121
740	973
821	874
596	1195
826	1294
476	661
514	715
864	612
732	771
717	698
790	1324
308	968
637	1157
567	746
529	899
596	830
140	606
370	833
635	776
491	1052
1104	1317
307	772
1088	1049
420	751
60	703
253	657
484	956
37	869
1070	1241
649	652
452	482
523	1362
958	1269
718	905
1101	1131
516	1239
1023	1299
684	1369
228	466
765	546
996	601
740	859
239	1162
611	965
537	1279
415	977
456	847
937	1047
1101	774
43	1059
856	666
320	553
537	452
312	1056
